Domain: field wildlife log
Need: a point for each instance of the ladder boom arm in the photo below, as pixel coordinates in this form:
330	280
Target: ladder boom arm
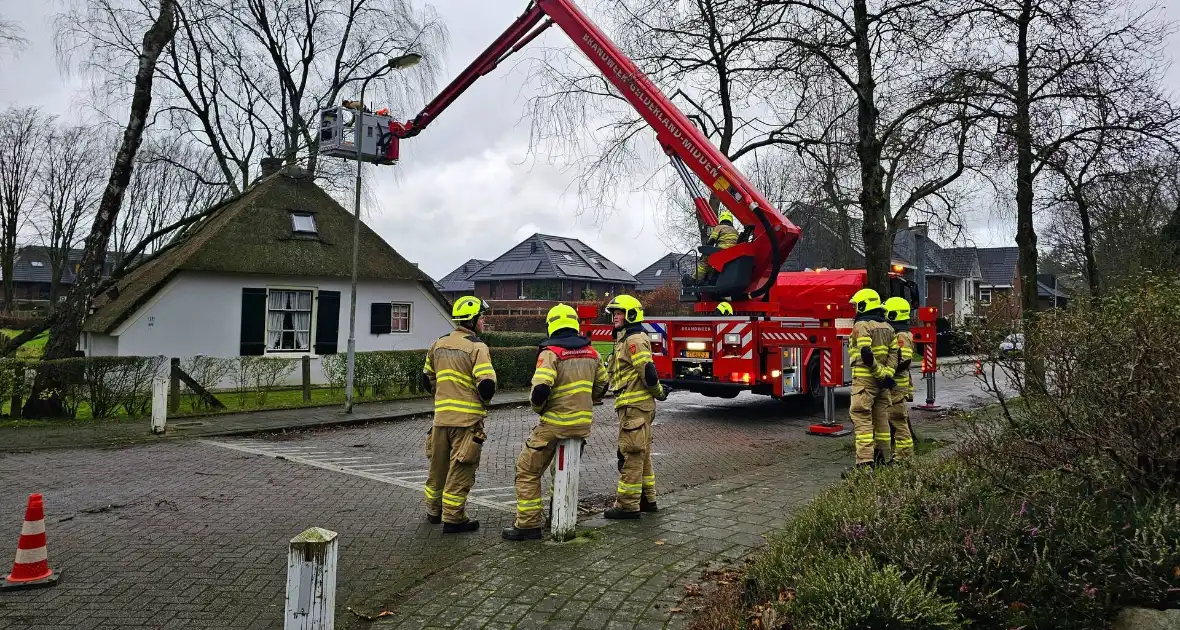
773	234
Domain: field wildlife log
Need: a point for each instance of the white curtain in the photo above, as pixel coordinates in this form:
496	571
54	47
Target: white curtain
290	312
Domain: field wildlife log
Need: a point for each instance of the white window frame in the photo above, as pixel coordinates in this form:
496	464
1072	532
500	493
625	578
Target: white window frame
948	296
409	318
315	229
315	301
988	292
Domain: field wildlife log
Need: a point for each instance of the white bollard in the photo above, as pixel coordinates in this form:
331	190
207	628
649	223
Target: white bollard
568	463
311	581
160	394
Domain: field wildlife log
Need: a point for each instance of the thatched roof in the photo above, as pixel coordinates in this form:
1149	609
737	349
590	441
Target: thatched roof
252	234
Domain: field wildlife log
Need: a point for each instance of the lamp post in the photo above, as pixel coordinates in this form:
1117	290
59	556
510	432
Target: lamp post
397	63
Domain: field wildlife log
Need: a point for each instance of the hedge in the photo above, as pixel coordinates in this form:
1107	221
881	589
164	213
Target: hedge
389	372
509	339
105	384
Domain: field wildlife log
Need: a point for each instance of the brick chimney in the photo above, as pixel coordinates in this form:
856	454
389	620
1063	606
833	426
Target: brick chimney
271	165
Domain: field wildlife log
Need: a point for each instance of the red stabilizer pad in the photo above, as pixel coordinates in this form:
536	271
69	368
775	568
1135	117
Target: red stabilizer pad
825	429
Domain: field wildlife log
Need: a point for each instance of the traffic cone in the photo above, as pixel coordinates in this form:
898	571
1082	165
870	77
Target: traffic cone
31	567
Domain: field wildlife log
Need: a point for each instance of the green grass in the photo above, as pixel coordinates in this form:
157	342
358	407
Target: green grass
604	348
32	349
287	398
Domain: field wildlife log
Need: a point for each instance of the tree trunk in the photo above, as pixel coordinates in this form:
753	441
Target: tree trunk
1171	238
6	268
1026	236
67	327
868	153
1092	277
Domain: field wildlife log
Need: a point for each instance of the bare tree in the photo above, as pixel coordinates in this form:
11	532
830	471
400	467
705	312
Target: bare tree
11	35
1035	66
66	322
244	78
22	147
68	189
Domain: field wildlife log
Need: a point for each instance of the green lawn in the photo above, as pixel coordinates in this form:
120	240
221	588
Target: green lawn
33	349
287	398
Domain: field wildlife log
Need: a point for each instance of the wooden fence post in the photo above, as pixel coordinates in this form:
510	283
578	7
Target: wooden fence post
160	387
567	464
311	581
306	378
174	385
18	381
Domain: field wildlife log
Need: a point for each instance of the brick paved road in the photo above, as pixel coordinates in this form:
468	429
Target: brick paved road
188	534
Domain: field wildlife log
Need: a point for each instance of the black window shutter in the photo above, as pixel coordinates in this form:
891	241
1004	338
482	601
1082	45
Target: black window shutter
381	318
253	322
327	323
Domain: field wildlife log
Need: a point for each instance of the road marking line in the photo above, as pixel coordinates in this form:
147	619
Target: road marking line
493	489
416	487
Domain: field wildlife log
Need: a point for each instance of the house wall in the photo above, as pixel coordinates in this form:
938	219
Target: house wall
201	314
572	290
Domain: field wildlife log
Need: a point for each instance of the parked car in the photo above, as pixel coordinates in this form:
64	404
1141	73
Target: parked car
1012	344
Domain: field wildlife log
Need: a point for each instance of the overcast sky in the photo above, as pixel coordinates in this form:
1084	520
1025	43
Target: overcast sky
467	187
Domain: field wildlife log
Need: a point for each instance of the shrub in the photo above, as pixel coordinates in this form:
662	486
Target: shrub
268	373
208	372
19	322
114	382
514	366
70	375
334	368
1047	554
516	323
496	339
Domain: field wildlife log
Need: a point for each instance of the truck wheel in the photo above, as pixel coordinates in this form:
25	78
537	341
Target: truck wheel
815	391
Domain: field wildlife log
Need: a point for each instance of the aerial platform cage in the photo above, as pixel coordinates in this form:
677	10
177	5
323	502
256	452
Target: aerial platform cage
339	129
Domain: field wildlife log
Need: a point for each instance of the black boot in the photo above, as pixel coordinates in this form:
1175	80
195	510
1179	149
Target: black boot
516	533
857	469
434	519
618	513
460	528
647	506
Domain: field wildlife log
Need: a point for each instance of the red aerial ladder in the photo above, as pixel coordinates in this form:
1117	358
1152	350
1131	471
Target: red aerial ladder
790	334
748	270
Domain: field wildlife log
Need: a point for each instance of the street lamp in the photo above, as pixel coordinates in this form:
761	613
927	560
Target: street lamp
397	63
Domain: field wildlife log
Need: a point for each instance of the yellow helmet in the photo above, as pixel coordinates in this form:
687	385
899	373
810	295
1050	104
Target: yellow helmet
468	308
631	307
866	300
562	316
725	215
897	309
725	308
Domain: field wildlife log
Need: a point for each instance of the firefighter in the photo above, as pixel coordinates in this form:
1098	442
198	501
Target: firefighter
637	388
568	380
725	308
872	359
459	372
723	236
897	313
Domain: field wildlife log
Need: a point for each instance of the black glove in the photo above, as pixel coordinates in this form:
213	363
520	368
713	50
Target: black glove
661	393
888	382
909	398
621	459
866	355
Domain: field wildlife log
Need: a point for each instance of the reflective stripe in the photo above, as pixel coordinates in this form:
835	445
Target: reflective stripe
459	410
907	353
640	357
882	437
629	488
455	376
567	418
632	397
430	492
461	406
862	342
864	438
908	443
574	387
859	371
649	481
483	369
545	375
528	505
453	500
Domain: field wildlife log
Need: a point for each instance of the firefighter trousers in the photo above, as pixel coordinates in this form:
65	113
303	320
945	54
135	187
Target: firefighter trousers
638	479
899	422
535	456
454	454
869	413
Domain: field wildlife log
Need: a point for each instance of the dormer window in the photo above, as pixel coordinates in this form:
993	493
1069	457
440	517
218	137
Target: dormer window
37	263
303	223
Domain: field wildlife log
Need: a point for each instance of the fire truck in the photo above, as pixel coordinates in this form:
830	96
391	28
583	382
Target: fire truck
790	330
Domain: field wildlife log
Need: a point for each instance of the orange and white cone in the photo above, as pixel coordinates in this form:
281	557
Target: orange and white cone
31	567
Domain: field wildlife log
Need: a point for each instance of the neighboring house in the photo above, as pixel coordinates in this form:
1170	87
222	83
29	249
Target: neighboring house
32	271
268	273
550	269
457	284
999	290
668	270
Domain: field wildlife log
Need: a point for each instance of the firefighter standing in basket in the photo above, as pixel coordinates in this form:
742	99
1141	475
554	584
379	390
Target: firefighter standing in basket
723	236
568	380
637	388
459	371
872	354
897	313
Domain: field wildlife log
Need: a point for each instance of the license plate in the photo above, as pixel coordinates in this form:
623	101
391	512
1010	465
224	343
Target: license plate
690	354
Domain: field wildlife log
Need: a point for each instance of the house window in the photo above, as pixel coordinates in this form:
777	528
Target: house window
948	290
302	223
399	318
37	263
288	320
985	296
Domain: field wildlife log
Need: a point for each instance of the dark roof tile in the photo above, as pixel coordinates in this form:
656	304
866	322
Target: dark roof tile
546	257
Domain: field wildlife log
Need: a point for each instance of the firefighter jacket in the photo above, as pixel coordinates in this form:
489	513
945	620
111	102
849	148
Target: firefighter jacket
633	375
724	236
870	330
905	354
569	379
459	371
